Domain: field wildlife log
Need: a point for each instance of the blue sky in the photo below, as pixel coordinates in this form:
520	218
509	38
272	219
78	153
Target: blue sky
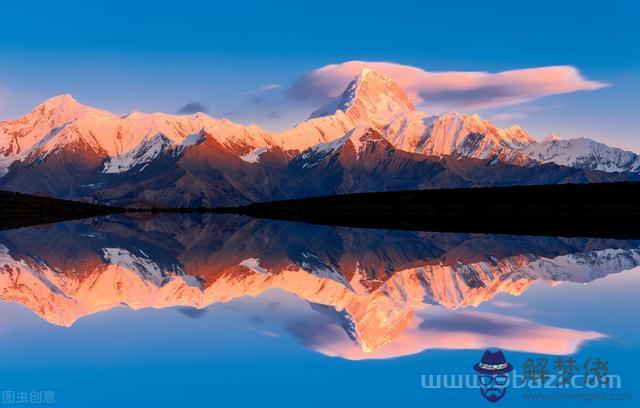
160	56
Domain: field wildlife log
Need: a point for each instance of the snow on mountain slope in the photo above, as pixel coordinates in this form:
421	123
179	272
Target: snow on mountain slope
456	134
145	152
63	123
117	144
375	100
150	135
254	155
357	136
18	136
583	153
371	98
314	131
140	139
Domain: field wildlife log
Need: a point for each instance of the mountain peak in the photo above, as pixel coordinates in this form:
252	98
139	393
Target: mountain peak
60	101
61	97
367	71
370	98
368	75
61	108
54	112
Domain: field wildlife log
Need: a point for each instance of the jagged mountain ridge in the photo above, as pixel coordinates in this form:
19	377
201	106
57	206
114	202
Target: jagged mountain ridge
68	150
124	142
583	153
458	135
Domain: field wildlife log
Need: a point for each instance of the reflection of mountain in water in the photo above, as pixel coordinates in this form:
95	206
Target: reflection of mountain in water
371	281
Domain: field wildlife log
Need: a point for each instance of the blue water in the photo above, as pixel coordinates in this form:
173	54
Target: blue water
278	347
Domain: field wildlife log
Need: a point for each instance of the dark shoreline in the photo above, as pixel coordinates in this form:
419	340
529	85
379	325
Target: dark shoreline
608	210
591	210
23	210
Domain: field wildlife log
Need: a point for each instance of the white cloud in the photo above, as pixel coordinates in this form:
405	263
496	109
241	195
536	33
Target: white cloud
508	116
522	111
451	89
263	88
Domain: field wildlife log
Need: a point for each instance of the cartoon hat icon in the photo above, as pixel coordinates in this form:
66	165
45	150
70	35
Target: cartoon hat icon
493	362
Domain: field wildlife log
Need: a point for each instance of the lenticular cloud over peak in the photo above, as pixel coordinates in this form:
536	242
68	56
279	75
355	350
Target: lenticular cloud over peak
449	89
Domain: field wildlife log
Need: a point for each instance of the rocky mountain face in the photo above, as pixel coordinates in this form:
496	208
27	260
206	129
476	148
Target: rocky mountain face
373	281
370	138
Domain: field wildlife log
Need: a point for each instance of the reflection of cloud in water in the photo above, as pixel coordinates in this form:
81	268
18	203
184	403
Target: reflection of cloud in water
192	312
437	328
505	304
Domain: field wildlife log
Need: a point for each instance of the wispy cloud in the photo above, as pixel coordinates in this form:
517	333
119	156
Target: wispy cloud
450	89
520	112
193	107
508	116
263	100
192	312
263	88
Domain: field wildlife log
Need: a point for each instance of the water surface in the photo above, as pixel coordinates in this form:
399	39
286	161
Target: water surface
190	310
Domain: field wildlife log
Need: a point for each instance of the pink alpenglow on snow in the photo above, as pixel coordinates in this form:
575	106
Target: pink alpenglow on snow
453	89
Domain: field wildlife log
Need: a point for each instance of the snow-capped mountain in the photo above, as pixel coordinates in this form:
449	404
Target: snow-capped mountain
375	100
371	98
584	154
19	137
70	150
61	123
457	135
125	142
364	161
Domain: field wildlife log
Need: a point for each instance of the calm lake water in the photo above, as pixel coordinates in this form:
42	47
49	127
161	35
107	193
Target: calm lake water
229	311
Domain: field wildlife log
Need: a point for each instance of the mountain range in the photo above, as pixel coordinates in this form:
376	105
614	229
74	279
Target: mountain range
370	138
